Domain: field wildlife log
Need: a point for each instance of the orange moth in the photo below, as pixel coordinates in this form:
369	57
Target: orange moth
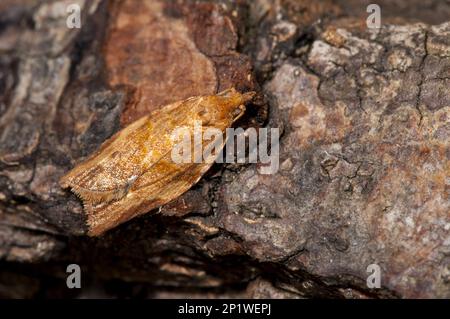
134	172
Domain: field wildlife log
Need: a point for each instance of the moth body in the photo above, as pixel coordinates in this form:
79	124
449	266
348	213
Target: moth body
133	171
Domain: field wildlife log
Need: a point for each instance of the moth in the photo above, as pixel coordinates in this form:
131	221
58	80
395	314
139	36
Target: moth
133	172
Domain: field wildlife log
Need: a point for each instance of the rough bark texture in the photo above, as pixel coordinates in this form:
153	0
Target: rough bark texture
364	154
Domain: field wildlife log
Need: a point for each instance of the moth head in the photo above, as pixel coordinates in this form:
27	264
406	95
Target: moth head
228	105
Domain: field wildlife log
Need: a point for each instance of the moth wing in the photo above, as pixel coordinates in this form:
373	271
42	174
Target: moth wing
165	175
110	171
156	187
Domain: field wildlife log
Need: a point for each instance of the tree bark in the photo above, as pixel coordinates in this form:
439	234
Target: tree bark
363	176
